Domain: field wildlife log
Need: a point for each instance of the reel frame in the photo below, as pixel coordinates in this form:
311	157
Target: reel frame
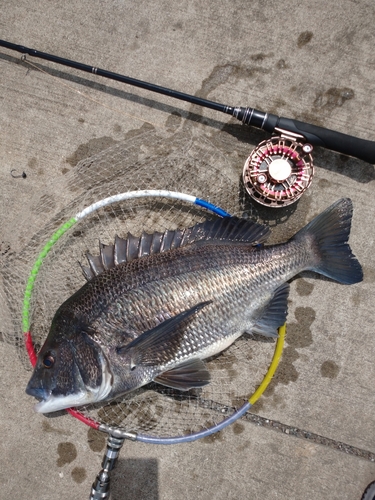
279	170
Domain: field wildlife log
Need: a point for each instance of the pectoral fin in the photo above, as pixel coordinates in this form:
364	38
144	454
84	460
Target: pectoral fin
148	346
186	376
274	314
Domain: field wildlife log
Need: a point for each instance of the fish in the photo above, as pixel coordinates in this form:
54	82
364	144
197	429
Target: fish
155	306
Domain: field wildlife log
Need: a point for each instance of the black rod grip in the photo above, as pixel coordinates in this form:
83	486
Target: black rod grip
330	139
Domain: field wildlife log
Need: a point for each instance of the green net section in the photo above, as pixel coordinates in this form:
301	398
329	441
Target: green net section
35	270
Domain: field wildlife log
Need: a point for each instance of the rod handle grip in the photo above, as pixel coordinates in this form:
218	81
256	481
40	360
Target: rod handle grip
330	139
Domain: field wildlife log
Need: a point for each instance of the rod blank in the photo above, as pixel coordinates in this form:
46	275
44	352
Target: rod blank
317	136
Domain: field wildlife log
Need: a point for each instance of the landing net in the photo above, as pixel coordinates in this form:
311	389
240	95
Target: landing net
60	229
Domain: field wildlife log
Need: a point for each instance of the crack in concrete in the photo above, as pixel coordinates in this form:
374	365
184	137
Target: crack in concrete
290	430
309	436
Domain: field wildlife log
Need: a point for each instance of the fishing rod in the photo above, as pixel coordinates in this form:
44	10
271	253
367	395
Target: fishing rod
278	170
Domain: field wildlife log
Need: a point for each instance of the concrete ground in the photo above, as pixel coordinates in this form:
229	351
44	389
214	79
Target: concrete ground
312	434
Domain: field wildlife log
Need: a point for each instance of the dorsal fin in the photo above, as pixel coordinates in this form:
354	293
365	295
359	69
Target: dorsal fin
219	231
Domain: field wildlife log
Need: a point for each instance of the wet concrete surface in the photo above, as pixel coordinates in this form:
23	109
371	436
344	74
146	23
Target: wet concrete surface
312	433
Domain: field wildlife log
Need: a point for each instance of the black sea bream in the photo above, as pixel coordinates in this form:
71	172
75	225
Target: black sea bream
156	306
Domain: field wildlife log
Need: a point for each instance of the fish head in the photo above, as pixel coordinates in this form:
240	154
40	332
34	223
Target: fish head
71	370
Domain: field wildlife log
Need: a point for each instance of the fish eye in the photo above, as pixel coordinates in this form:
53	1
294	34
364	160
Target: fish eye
48	361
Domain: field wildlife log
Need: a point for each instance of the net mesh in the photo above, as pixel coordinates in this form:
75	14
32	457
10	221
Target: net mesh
150	160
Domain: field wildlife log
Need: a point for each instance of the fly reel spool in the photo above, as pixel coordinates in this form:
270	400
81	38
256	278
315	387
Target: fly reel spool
279	170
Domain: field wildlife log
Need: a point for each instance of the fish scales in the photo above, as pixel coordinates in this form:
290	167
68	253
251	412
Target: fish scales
239	278
144	297
190	296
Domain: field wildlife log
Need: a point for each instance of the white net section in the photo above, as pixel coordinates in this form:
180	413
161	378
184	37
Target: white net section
150	160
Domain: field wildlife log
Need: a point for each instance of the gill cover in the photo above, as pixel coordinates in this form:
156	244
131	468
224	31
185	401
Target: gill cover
69	371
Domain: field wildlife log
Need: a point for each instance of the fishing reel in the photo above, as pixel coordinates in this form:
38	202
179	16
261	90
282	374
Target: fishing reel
279	170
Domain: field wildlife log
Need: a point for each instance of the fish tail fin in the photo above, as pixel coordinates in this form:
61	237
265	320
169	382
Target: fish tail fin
327	238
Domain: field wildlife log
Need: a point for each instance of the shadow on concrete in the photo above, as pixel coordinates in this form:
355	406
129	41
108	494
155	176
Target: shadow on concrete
358	170
135	479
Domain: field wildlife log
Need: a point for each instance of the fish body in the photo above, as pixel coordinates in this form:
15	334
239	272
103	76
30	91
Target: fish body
156	306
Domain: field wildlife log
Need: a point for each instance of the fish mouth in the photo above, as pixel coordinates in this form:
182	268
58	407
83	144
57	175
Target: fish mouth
37	392
56	403
48	402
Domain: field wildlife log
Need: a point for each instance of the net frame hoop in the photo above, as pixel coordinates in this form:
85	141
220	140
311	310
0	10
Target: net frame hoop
31	350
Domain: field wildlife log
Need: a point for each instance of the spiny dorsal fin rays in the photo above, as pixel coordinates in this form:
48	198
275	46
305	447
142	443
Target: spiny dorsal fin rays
107	255
95	266
145	245
87	272
220	231
99	263
157	239
120	250
132	247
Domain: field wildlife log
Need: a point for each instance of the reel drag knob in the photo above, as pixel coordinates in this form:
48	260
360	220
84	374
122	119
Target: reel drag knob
278	171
